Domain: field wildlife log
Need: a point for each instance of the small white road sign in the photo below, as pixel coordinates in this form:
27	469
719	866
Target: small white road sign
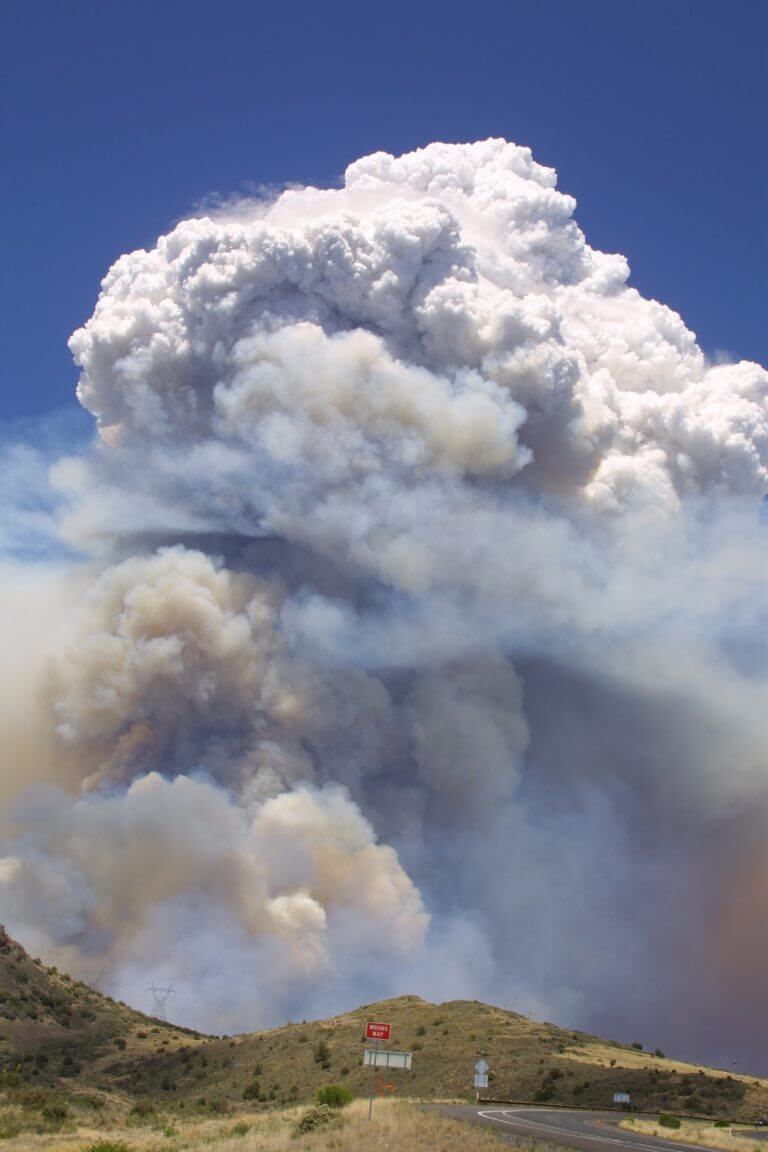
481	1079
386	1058
481	1067
621	1098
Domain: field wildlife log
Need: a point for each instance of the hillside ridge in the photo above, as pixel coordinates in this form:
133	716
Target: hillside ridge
58	1035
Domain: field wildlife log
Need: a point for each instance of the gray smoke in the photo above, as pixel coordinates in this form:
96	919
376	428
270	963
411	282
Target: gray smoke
418	639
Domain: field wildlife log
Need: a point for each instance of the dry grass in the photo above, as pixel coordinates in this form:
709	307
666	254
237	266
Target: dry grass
697	1132
397	1126
601	1055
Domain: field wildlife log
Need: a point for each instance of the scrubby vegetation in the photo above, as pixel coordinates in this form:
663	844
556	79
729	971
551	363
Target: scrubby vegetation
334	1095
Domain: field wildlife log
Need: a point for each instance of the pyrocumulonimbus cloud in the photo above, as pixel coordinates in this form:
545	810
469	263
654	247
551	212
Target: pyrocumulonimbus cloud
416	635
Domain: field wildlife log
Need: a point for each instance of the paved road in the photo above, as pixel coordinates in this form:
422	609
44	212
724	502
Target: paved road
589	1131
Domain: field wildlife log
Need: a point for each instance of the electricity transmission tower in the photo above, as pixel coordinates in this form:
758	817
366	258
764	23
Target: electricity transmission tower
160	1000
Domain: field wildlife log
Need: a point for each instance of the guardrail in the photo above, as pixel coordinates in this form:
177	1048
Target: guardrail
620	1111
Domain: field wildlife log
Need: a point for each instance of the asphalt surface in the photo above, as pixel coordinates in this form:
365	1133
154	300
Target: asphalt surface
589	1131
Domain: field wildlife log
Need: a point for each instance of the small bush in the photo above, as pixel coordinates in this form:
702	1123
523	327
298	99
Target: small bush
55	1113
638	1046
142	1109
658	1052
240	1129
334	1095
107	1146
421	1031
318	1117
668	1121
253	1091
722	1123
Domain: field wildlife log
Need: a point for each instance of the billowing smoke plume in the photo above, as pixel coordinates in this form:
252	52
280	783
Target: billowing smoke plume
418	638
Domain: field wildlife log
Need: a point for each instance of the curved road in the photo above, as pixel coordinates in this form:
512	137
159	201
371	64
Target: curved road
589	1131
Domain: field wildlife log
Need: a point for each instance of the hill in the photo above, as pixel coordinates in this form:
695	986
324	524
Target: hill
63	1039
528	1061
57	1032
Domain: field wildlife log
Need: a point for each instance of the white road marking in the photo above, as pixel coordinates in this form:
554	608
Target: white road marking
490	1115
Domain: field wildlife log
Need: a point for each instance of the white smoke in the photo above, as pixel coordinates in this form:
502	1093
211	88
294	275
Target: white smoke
360	452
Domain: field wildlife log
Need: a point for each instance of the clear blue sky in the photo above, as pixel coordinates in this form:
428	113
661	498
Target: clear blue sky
119	116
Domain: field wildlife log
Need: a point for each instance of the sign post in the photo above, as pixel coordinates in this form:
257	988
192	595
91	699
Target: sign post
376	1031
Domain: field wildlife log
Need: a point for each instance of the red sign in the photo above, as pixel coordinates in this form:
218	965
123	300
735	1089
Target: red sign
375	1031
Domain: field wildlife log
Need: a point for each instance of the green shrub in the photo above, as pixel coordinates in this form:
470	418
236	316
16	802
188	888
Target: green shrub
334	1095
142	1110
253	1091
107	1146
320	1116
240	1129
658	1052
638	1046
668	1121
722	1123
55	1112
